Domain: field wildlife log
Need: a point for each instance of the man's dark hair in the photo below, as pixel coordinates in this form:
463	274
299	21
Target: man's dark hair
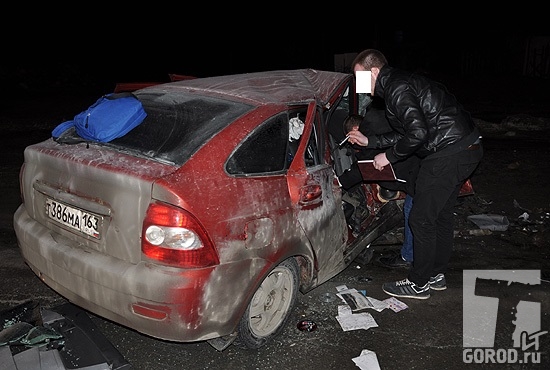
369	58
351	121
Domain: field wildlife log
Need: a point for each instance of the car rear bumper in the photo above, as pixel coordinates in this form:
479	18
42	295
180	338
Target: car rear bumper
164	302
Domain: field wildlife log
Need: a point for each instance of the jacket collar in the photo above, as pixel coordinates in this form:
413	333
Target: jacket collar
381	80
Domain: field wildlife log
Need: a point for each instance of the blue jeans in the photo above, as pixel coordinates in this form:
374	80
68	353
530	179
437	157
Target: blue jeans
407	248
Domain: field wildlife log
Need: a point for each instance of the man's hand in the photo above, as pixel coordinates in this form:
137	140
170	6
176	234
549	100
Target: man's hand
380	161
356	137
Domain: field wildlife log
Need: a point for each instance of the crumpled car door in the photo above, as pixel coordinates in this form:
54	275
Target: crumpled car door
317	199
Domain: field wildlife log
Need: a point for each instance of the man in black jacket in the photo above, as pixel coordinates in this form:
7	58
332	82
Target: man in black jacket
430	123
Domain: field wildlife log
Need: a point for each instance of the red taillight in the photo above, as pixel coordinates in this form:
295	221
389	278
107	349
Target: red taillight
174	237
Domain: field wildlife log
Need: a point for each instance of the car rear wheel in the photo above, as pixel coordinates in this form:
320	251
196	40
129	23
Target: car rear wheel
271	306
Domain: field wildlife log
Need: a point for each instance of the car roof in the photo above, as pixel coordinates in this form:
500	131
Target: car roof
268	87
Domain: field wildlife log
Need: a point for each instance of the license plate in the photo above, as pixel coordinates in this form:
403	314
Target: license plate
74	218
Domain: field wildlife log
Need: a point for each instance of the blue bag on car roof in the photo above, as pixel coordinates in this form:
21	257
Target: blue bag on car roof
111	116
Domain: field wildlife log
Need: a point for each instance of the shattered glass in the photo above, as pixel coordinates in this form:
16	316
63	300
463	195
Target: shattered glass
57	339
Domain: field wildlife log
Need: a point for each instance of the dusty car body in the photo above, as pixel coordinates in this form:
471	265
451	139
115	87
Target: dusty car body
206	220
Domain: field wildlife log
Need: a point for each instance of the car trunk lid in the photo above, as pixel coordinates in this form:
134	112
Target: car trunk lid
90	195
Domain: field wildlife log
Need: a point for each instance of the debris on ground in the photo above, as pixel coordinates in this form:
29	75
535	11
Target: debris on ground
64	337
490	222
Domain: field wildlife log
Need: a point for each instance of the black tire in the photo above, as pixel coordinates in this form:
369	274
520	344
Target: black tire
271	306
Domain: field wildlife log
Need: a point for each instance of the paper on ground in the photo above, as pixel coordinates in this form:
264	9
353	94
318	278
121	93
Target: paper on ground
377	305
367	360
354	321
357	301
395	304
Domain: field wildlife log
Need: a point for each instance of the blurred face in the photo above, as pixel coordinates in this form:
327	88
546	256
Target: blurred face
374	73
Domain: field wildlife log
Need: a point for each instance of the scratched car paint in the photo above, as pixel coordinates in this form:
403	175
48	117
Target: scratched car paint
205	221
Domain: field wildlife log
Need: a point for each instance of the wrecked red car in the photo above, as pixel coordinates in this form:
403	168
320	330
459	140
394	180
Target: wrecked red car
205	221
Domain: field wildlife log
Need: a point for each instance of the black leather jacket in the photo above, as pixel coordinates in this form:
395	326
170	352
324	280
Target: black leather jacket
427	119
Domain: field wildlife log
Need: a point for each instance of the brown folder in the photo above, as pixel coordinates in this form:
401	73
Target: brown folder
369	173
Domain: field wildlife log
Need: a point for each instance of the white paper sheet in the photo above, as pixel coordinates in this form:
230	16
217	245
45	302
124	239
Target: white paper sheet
367	360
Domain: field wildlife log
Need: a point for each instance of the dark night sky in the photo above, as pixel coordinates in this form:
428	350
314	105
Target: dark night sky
59	54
